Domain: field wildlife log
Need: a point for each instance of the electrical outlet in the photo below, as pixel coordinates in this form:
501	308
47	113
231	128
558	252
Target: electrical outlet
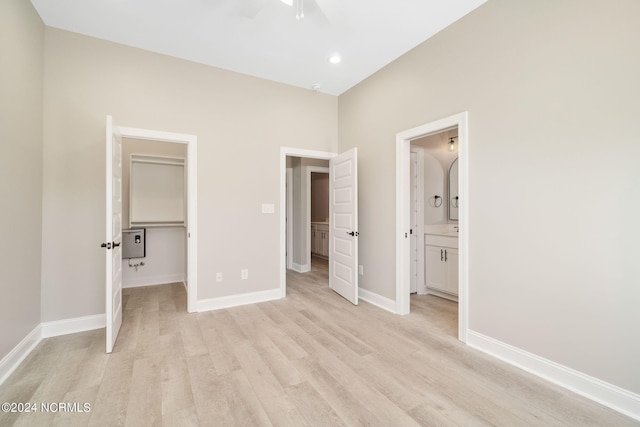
361	270
244	274
218	277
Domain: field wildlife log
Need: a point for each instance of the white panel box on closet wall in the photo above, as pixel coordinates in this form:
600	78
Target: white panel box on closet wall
133	243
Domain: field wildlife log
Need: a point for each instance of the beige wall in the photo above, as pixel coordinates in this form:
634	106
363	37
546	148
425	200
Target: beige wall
21	77
551	90
240	121
319	197
552	93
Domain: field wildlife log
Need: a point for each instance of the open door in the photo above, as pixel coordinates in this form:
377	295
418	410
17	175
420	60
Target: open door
343	213
113	276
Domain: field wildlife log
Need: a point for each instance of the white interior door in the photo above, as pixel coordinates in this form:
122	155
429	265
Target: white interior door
113	274
343	231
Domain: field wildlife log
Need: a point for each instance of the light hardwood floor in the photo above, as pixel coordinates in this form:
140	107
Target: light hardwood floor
309	359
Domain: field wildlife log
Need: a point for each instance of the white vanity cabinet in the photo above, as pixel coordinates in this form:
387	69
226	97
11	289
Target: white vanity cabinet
320	239
441	265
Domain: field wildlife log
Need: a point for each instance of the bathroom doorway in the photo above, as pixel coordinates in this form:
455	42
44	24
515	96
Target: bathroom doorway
403	219
433	205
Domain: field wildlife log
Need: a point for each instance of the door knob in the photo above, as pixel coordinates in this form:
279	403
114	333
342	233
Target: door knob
115	245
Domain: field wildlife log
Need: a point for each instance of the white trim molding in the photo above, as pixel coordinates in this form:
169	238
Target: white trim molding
153	281
71	326
300	268
237	300
609	395
377	300
14	358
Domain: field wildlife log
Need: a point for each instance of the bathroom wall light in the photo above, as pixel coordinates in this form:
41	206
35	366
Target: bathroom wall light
452	144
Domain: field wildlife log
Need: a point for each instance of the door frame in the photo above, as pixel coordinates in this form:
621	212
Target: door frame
293	152
403	268
192	199
308	171
289	217
421	288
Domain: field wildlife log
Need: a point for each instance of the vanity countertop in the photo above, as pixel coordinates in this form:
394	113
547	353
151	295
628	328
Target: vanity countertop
449	230
320	222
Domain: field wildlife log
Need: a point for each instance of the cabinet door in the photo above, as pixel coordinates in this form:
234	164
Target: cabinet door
314	240
452	270
435	272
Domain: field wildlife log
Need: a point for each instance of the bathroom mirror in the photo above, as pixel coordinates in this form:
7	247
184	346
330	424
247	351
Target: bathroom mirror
453	191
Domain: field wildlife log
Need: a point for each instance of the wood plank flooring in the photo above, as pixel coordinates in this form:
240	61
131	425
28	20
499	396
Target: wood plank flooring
310	359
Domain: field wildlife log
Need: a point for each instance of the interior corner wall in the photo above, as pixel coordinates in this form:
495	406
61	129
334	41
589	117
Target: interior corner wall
551	90
21	80
240	122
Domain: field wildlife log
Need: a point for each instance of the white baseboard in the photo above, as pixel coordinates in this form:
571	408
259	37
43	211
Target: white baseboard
301	268
11	361
614	397
377	300
14	358
71	326
236	300
152	281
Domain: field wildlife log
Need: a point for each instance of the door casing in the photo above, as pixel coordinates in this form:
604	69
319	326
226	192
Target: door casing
293	152
192	199
403	269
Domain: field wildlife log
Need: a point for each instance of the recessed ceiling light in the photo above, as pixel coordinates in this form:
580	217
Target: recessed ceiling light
335	59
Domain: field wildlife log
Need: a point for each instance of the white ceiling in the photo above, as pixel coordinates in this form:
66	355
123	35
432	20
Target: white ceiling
263	38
